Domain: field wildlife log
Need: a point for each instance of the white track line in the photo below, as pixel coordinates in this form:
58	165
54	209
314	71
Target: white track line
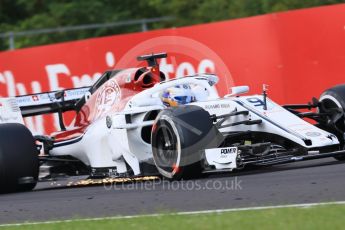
305	205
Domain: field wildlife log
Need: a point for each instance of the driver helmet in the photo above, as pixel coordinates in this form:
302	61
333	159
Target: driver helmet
178	95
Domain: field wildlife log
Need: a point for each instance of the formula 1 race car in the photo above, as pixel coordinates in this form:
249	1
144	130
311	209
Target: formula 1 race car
135	122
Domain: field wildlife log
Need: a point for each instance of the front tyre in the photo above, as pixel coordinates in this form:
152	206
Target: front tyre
179	137
19	163
333	99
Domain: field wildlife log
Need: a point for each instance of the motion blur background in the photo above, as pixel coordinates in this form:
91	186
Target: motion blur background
24	15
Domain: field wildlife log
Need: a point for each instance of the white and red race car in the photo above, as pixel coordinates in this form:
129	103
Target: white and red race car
124	128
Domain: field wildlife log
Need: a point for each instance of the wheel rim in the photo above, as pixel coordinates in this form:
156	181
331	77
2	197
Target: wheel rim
330	102
166	148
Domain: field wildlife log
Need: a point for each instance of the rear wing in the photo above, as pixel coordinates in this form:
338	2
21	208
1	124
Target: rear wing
50	102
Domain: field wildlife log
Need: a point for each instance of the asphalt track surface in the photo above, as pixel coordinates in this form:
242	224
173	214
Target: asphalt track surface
303	182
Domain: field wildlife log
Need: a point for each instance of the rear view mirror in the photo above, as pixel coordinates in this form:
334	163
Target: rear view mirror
237	90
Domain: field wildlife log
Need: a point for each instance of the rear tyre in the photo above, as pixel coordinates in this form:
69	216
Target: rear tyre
334	98
179	137
19	163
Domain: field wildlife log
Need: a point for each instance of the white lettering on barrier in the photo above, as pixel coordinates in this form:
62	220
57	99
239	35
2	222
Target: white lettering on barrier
59	72
166	68
53	72
85	80
7	78
206	66
185	68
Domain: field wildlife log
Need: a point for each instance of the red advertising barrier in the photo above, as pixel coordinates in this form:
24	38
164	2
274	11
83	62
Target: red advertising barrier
297	53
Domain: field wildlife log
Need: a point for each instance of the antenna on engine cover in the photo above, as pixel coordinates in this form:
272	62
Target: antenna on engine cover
264	94
152	58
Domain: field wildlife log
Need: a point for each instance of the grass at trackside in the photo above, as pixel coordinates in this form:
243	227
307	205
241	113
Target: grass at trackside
318	217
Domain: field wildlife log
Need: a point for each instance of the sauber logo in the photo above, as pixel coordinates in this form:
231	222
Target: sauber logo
109	94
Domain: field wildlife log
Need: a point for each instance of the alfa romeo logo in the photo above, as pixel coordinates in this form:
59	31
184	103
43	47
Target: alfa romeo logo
107	97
